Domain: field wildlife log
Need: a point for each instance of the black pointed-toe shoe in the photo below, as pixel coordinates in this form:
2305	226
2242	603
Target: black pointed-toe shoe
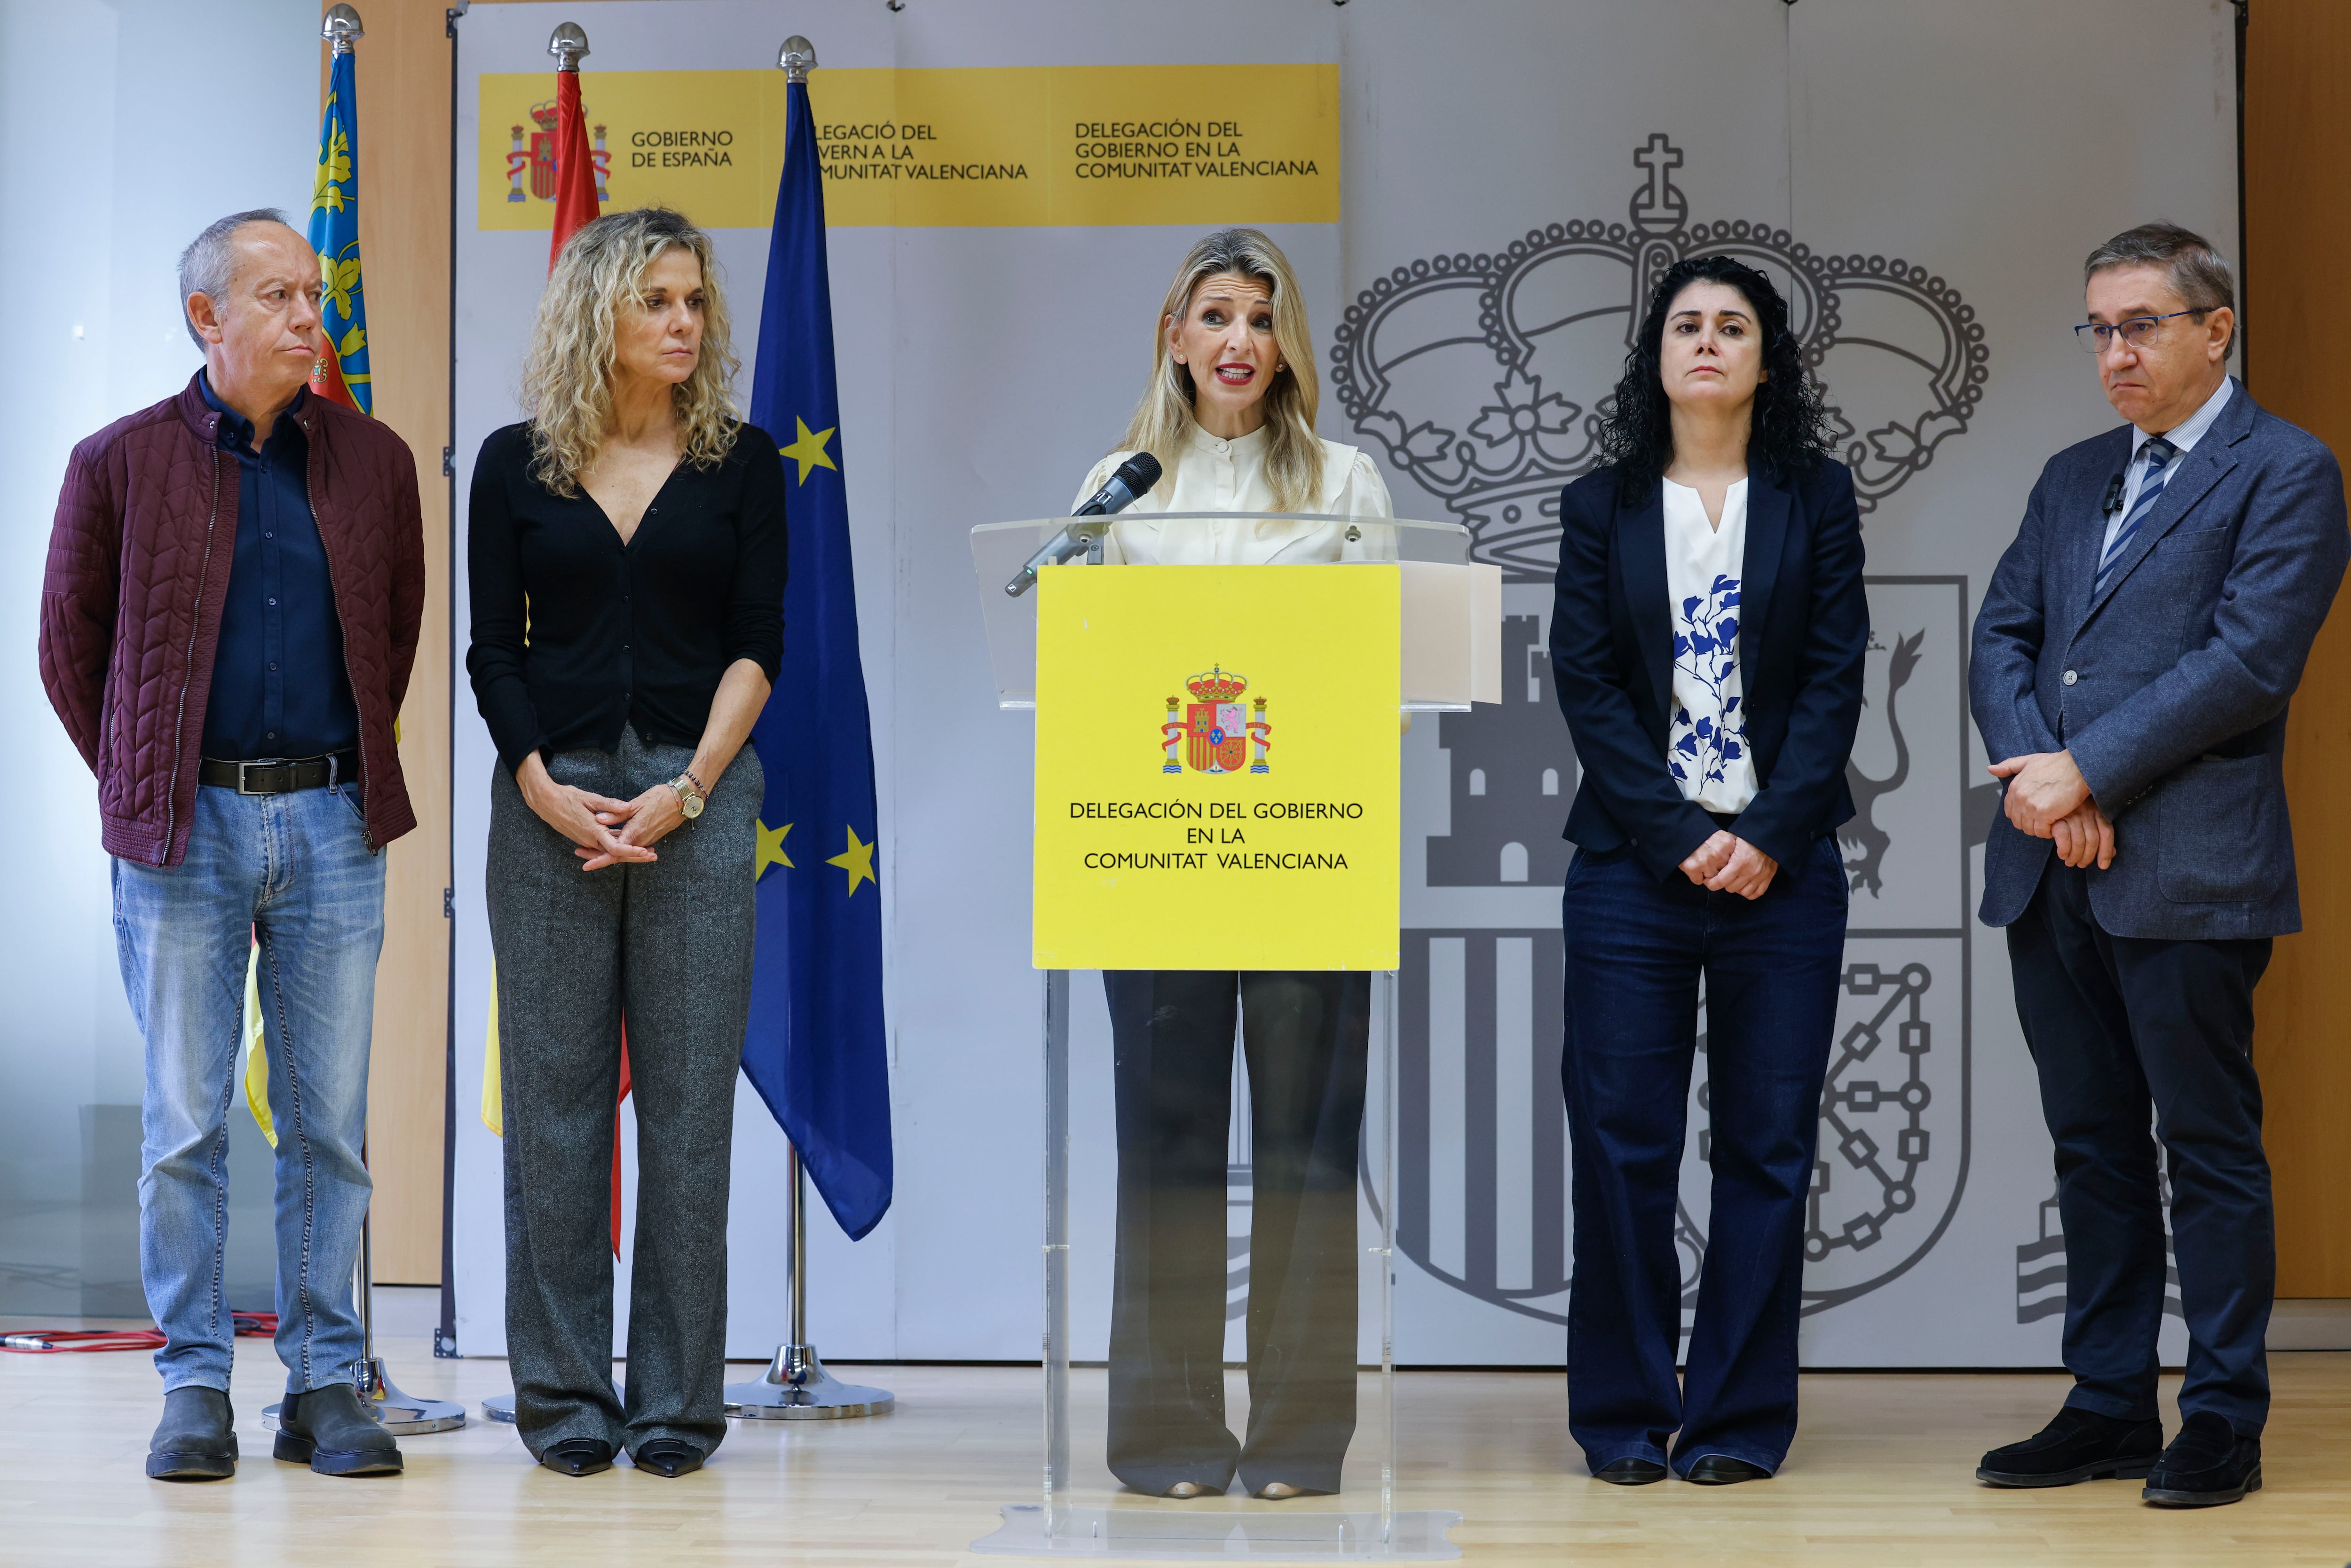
668	1456
577	1456
1630	1471
2078	1445
2207	1464
196	1439
1722	1470
330	1431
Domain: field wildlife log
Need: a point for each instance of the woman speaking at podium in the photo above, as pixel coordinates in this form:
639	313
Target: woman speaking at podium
1708	638
1230	413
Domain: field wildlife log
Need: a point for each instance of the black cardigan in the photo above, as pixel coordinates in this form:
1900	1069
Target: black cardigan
576	634
1803	634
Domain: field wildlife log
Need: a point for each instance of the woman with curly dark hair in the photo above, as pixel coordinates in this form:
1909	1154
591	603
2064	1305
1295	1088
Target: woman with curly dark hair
1708	638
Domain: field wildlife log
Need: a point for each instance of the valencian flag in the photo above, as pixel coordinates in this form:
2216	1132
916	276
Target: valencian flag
341	370
340	373
815	1047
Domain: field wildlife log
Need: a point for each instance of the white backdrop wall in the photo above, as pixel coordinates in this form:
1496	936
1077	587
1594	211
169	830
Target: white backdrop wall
1925	179
123	130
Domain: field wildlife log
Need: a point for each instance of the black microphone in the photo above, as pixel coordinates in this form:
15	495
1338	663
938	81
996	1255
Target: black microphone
2114	501
1131	482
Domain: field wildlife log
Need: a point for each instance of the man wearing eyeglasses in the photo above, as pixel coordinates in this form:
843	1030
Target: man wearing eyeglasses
2132	664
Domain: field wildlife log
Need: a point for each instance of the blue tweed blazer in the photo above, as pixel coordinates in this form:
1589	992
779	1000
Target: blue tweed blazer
2170	687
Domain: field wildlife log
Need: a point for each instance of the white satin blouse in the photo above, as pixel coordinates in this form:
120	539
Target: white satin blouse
1218	476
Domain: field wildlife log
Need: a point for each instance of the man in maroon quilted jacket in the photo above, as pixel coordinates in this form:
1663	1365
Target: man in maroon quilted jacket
227	625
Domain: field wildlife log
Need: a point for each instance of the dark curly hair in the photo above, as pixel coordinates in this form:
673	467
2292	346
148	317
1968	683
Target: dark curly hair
1791	431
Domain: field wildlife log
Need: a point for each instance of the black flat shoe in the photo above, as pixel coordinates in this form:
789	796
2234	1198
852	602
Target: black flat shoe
1631	1471
668	1456
2078	1445
2207	1464
1722	1470
577	1456
196	1439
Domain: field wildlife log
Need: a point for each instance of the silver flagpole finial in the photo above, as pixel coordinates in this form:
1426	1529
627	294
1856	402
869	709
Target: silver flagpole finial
797	59
569	44
341	29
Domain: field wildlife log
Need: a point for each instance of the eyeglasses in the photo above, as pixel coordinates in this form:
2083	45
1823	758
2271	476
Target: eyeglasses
2139	331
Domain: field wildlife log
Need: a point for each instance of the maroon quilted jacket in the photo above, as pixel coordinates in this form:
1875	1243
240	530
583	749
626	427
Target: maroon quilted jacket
138	571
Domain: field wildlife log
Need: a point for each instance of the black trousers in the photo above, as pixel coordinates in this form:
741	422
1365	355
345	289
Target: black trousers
2116	1024
1306	1037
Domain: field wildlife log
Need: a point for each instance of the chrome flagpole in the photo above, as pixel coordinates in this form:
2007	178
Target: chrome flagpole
796	1387
405	1414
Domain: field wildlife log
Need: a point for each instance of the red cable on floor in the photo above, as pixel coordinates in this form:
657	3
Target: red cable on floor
56	1341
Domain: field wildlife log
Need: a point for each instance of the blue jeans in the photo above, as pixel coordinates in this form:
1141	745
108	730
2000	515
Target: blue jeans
295	871
1637	950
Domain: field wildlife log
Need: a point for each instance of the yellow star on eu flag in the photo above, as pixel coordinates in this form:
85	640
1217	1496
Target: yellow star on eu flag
771	850
857	860
808	450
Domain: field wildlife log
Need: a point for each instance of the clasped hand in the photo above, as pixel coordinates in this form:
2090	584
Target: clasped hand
2048	798
1729	863
603	832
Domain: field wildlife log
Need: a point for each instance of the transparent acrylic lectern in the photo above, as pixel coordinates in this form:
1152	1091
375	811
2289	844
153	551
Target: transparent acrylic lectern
1218	1220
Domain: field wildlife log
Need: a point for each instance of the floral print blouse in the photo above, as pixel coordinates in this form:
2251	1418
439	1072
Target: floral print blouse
1706	746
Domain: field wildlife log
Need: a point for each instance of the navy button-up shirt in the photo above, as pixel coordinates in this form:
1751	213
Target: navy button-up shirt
279	685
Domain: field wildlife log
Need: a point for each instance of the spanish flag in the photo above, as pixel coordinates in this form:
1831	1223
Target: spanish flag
574	205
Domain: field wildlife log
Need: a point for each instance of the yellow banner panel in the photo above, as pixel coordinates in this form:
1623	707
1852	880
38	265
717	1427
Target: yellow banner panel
1010	146
1216	767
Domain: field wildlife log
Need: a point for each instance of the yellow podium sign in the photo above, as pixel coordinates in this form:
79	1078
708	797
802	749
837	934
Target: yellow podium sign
1216	767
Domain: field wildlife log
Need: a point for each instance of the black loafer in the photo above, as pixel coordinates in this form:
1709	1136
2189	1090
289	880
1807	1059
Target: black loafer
668	1456
2078	1445
1722	1470
1630	1471
578	1456
196	1439
2207	1464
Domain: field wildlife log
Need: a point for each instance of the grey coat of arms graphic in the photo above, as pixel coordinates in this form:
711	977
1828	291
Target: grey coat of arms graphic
1483	378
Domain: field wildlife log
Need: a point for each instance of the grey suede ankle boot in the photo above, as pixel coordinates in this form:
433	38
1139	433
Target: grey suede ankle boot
196	1439
328	1429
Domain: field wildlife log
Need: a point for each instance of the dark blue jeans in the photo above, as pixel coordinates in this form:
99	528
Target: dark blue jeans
1636	951
2126	1031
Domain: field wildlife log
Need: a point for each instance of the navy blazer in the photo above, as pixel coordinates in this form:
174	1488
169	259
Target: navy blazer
2170	687
1804	635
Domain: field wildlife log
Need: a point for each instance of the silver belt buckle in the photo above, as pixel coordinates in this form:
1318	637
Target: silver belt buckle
241	768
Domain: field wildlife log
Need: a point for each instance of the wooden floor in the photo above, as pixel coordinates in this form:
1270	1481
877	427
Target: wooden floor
1880	1476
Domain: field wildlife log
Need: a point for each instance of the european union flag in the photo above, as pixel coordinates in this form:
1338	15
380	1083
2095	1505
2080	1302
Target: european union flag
815	1050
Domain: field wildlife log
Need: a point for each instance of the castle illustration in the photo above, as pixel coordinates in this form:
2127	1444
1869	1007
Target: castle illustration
1513	772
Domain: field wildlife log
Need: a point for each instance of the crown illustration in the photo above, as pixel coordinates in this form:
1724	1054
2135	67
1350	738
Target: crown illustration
1217	686
545	114
1485	377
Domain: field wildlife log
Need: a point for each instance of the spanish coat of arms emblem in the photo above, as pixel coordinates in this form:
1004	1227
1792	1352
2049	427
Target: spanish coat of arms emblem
1216	729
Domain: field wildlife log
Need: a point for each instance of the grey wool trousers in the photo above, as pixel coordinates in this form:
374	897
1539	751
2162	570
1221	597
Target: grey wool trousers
668	946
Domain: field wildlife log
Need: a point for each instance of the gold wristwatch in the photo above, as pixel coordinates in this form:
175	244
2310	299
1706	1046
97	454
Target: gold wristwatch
690	799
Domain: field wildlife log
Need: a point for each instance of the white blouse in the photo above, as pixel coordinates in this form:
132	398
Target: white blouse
1218	476
1706	744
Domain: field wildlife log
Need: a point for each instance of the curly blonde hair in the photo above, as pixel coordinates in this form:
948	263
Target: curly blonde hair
567	380
1163	422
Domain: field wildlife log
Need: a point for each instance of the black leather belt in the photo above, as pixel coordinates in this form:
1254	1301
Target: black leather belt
279	777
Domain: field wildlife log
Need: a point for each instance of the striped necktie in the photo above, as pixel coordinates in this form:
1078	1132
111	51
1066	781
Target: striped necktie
2159	453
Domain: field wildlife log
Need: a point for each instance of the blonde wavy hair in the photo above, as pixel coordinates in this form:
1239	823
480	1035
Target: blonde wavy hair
567	380
1164	421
